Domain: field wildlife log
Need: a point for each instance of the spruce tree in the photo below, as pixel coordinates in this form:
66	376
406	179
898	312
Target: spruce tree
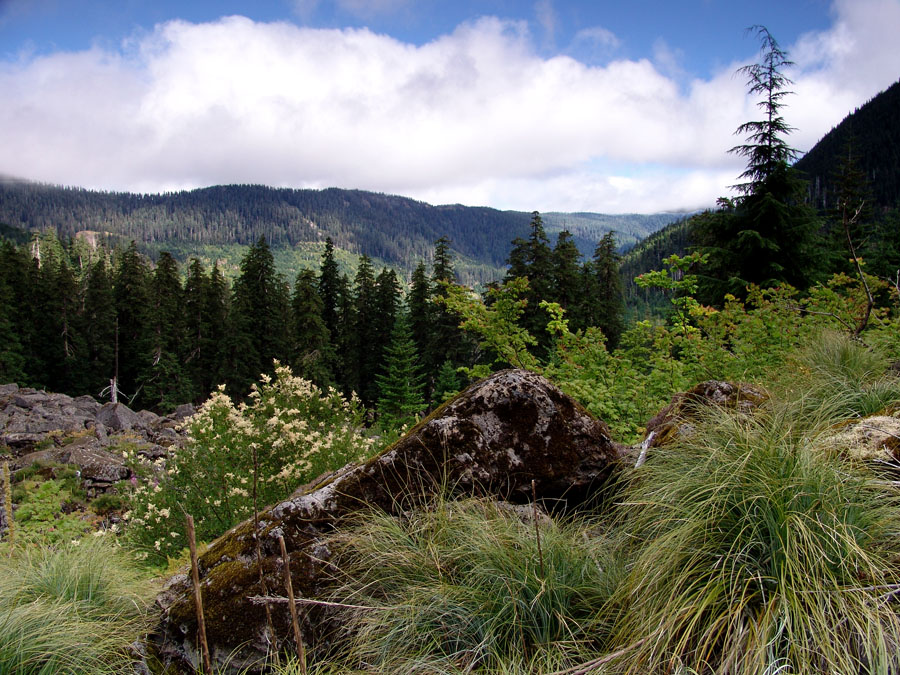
768	235
329	288
260	318
421	313
367	353
166	382
608	289
100	322
132	309
310	342
566	279
400	396
12	357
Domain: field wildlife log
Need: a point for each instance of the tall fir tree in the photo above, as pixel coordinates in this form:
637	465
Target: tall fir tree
607	290
259	318
566	279
400	386
311	353
768	235
367	353
329	288
421	312
166	382
132	310
532	259
100	322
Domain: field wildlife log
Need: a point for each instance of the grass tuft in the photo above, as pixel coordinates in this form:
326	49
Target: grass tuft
458	587
70	610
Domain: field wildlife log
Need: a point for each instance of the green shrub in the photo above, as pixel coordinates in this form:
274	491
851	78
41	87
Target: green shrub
289	433
461	586
49	511
70	610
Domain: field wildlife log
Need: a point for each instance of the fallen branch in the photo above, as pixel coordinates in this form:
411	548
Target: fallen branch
583	668
277	599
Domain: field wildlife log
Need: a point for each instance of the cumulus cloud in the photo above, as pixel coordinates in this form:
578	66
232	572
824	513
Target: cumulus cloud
476	116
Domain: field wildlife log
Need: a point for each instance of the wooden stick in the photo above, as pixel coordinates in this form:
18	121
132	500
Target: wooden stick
301	651
7	505
537	530
198	599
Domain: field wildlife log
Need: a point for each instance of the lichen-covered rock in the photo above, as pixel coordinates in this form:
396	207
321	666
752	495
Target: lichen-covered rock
678	418
119	417
871	439
495	438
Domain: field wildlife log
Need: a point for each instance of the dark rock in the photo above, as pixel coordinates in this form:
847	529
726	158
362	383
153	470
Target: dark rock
183	411
150	419
492	439
118	417
679	417
8	389
95	463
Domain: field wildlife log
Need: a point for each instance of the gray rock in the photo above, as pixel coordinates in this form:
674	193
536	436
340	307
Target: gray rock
7	389
150	419
494	439
95	463
118	417
183	411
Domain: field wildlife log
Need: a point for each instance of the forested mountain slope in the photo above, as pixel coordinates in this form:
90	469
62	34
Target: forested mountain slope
872	135
396	230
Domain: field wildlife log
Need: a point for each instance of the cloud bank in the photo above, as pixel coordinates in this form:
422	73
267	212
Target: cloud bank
476	116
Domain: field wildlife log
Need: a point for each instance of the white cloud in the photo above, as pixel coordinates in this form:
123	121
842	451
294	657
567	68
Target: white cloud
475	117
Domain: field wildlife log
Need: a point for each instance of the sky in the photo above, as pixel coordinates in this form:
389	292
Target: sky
548	105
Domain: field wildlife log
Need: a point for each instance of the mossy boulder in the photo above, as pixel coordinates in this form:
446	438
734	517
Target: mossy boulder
679	417
493	439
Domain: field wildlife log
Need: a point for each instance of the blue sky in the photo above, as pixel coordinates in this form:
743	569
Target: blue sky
548	105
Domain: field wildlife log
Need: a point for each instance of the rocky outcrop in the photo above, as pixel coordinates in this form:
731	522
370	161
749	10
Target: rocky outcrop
678	419
494	439
37	426
871	439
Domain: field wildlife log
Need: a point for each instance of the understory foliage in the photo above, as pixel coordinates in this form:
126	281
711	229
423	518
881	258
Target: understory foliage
756	549
237	456
74	609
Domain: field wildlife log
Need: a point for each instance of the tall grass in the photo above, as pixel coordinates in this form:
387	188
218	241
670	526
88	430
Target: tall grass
70	610
757	551
459	587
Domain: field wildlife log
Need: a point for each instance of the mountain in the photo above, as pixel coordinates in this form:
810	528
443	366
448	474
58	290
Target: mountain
872	134
394	230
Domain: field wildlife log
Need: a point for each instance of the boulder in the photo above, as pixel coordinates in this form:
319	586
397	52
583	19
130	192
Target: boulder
871	439
679	417
118	417
494	438
96	464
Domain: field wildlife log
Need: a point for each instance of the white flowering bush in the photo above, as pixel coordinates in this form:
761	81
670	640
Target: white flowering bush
288	433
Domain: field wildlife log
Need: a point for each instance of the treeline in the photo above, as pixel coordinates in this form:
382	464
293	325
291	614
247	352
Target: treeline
395	229
81	320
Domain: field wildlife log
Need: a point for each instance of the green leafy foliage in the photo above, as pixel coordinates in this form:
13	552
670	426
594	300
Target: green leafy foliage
238	457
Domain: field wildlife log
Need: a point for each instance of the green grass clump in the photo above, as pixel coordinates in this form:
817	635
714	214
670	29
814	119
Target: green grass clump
460	586
758	552
70	610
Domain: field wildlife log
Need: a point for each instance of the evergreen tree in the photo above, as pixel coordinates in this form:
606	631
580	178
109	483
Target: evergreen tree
446	384
367	353
532	259
329	288
259	319
132	307
346	369
400	397
388	299
12	357
448	342
100	323
607	290
165	382
769	234
310	342
421	311
567	280
213	345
